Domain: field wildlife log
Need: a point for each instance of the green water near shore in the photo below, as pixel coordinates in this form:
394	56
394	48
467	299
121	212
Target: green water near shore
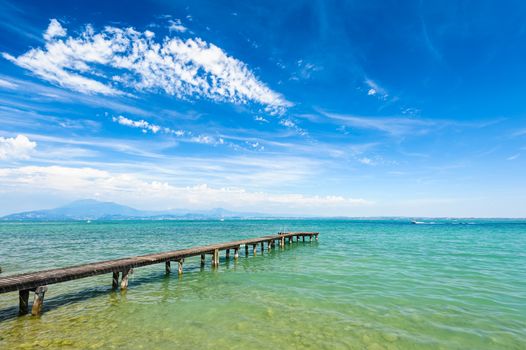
364	285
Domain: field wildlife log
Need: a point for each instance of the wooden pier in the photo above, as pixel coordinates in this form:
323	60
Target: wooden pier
37	282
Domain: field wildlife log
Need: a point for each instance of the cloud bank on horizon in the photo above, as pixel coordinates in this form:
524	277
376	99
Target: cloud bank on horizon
279	109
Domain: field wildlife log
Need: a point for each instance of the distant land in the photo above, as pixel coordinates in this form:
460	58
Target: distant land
90	209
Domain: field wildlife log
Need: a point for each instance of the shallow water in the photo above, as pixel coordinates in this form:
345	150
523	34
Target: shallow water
364	285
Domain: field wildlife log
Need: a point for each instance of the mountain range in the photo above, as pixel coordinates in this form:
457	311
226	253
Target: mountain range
90	209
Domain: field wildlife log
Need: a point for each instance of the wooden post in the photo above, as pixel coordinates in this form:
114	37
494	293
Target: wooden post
124	280
227	254
23	302
236	253
168	268
246	250
262	247
180	266
215	259
203	257
36	310
316	236
290	240
115	280
282	242
310	238
254	249
269	245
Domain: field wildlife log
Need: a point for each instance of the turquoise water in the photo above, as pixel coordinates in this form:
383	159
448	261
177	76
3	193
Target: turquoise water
364	285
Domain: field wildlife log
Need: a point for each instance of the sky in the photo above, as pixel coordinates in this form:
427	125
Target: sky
325	108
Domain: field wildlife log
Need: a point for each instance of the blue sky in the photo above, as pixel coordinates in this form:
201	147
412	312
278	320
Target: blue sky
358	108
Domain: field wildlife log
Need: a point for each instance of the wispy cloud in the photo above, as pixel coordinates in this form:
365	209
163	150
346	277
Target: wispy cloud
177	26
261	119
520	132
395	126
133	59
375	89
146	126
7	84
305	70
19	147
513	157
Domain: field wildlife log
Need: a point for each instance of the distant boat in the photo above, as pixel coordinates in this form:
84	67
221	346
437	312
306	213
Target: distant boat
88	222
221	219
417	222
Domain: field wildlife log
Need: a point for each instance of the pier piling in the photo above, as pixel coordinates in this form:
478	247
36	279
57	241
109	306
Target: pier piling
115	280
180	266
23	302
36	310
124	279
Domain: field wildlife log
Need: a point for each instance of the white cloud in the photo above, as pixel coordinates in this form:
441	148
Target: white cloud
177	26
366	161
375	89
147	126
183	68
292	125
260	119
287	122
207	140
130	189
54	30
18	147
141	124
7	84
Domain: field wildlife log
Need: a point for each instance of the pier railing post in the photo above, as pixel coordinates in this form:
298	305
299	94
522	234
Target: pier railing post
23	302
38	302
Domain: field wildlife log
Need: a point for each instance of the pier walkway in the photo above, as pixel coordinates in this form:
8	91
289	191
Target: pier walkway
37	282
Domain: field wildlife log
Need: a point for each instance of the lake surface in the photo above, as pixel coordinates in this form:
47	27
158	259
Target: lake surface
364	285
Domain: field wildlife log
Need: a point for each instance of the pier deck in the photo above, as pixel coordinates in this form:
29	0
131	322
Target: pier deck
37	281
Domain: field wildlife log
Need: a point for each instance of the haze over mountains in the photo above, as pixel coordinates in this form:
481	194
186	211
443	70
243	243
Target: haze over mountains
90	209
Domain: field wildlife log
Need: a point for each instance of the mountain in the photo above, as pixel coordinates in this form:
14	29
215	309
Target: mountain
90	209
